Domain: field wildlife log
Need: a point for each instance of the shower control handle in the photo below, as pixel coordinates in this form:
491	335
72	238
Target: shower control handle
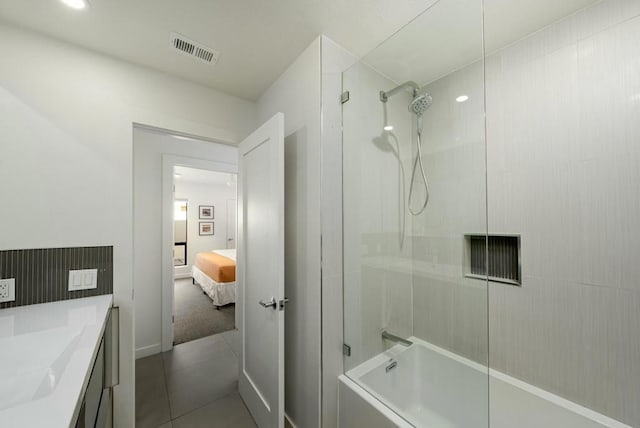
270	304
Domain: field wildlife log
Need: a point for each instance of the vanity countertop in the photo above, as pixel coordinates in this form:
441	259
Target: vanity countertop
46	357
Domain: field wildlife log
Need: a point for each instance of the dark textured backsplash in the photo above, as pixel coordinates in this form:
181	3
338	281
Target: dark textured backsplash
42	275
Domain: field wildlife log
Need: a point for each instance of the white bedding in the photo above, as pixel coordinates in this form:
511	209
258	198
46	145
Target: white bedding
221	293
230	254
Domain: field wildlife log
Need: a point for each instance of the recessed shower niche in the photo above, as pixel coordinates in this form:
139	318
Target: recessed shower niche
496	258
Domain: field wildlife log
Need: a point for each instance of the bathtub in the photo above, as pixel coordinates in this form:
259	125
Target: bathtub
431	387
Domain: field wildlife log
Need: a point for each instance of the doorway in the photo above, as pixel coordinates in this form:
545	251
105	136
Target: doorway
257	362
203	253
198	380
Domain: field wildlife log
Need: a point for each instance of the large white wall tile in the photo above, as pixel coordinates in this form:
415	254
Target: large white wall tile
562	168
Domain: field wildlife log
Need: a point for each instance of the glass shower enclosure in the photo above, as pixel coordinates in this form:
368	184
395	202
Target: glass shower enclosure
490	218
414	192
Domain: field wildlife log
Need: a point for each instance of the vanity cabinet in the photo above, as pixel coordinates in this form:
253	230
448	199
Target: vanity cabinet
96	410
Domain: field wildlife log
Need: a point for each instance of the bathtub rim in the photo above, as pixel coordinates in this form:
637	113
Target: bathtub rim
395	350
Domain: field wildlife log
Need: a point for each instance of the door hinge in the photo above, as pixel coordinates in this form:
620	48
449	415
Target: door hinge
344	97
346	349
173	319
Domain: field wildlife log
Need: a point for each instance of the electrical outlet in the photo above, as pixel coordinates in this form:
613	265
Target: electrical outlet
7	290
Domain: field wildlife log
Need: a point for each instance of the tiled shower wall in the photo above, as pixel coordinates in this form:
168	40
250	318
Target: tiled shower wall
450	310
562	167
42	275
563	109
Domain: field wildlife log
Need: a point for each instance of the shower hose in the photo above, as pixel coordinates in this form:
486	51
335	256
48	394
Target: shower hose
416	163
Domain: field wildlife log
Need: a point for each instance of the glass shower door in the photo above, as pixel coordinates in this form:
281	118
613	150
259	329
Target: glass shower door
414	190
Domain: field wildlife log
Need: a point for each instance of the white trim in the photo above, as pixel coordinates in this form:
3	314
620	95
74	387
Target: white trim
146	351
184	275
168	162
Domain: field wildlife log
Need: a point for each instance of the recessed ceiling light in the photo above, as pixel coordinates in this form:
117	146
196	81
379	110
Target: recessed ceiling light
75	4
177	174
388	128
462	98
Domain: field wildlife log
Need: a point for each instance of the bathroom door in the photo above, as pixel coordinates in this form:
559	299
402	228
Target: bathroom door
261	272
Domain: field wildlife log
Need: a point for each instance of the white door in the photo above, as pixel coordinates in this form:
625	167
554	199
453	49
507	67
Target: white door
231	223
261	272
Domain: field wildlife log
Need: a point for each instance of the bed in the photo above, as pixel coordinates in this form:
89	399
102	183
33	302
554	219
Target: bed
215	272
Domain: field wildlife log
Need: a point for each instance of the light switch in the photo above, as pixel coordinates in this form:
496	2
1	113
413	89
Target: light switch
75	278
83	279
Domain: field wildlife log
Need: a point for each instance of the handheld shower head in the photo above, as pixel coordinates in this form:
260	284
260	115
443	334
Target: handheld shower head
420	104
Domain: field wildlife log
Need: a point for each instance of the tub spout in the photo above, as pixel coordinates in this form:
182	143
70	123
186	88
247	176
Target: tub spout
394	338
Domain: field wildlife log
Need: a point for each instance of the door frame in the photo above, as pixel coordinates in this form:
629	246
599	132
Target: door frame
168	163
235	233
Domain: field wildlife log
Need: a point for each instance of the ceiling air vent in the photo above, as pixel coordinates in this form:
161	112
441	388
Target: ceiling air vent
194	49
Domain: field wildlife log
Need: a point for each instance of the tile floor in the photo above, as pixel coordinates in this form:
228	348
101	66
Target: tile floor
194	385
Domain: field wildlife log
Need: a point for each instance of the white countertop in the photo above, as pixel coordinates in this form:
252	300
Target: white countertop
46	357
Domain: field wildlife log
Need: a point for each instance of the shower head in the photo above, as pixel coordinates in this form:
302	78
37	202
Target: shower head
420	104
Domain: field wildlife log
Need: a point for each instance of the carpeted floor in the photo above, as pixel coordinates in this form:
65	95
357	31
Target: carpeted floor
195	315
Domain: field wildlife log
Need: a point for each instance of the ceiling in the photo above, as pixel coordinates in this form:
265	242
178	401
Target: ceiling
258	39
202	176
449	35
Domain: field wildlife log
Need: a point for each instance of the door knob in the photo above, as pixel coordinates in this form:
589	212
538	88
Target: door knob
270	304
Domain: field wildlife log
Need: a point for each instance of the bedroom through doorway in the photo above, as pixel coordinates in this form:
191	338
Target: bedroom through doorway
204	258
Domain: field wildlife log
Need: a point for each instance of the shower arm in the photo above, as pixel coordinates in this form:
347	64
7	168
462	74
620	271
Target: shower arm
384	96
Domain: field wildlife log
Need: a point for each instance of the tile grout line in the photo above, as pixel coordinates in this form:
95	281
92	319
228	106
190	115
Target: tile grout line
166	388
164	369
231	394
204	405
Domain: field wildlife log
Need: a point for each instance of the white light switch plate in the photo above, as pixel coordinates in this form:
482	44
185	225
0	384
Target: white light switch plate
7	290
83	279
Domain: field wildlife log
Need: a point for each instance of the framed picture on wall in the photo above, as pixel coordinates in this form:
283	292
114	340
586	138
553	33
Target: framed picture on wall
206	228
206	212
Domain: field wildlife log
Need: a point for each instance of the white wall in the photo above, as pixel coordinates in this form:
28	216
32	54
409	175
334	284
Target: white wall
66	118
148	149
196	194
297	94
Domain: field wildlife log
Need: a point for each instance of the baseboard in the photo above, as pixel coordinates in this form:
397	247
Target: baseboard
288	419
182	275
148	350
